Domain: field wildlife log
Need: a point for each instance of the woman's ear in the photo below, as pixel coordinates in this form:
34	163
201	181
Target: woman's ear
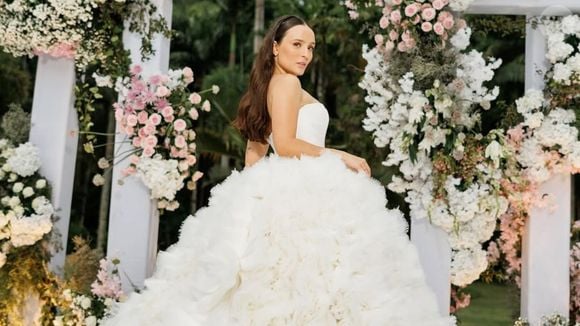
275	48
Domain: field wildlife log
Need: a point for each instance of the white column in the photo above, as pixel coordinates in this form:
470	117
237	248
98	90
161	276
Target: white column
546	244
133	218
435	256
54	131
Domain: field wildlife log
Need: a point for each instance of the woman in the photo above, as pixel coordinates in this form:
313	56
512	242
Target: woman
288	241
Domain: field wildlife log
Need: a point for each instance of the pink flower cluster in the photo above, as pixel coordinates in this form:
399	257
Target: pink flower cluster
404	22
108	282
60	50
459	300
158	116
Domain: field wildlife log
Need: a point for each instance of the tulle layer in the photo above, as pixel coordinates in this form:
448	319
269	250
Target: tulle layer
289	242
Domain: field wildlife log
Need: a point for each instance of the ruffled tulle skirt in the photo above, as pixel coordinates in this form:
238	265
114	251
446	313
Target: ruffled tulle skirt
289	242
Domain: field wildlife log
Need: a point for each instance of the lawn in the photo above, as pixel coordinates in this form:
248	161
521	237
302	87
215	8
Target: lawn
491	305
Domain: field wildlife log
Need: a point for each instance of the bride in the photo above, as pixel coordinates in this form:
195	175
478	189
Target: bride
302	237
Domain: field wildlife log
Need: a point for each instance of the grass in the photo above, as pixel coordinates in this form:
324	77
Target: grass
491	305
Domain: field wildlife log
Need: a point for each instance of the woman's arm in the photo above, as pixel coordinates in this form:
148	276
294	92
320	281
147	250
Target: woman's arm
255	151
284	100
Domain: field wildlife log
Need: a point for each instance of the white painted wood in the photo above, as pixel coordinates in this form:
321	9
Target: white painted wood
54	131
546	254
524	7
134	220
435	256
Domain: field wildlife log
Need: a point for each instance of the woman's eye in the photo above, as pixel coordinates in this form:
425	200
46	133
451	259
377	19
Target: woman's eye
297	45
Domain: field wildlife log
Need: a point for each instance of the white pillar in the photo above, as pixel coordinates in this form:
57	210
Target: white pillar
54	131
435	256
546	244
133	218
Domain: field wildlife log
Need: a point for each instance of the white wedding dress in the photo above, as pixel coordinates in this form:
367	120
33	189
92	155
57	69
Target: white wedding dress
289	242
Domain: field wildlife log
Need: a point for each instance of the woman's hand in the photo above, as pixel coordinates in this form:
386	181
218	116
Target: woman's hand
353	162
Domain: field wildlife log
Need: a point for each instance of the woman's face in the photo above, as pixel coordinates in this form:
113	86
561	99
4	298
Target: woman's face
294	52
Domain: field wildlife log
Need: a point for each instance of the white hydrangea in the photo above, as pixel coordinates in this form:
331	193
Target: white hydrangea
26	231
25	160
161	176
467	265
461	39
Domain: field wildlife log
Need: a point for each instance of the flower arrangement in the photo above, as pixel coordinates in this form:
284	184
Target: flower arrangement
25	210
157	115
84	29
426	109
88	309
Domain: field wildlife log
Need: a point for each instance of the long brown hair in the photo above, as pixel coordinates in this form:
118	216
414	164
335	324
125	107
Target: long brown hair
253	119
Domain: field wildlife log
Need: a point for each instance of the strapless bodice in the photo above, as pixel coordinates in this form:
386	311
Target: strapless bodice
311	126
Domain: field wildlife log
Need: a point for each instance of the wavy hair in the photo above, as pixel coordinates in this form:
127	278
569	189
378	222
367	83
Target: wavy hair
253	120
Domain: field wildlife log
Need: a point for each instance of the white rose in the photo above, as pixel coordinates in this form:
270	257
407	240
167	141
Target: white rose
18	186
12	177
19	211
40	184
6	167
14	201
98	180
103	163
91	321
27	192
85	302
3	220
2	174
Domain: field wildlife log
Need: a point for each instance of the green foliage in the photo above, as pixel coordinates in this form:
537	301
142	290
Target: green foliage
15	82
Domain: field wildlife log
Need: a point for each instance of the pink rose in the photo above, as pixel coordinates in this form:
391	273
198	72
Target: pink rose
196	176
136	69
396	17
379	39
162	91
206	106
352	14
397	2
136	142
167	111
148	151
129	131
195	98
155	80
410	43
416	20
128	171
180	141
182	165
438	4
173	152
193	114
402	47
179	125
142	117
428	14
169	118
393	36
188	74
191	160
389	46
182	153
142	132
444	15
448	23
461	23
150	129
384	22
131	120
149	142
155	119
387	10
427	27
438	28
411	10
406	36
119	114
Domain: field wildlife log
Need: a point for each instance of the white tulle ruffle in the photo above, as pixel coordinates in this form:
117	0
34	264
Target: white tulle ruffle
289	242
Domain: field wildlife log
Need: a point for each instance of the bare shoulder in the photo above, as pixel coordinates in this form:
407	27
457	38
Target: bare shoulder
284	84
